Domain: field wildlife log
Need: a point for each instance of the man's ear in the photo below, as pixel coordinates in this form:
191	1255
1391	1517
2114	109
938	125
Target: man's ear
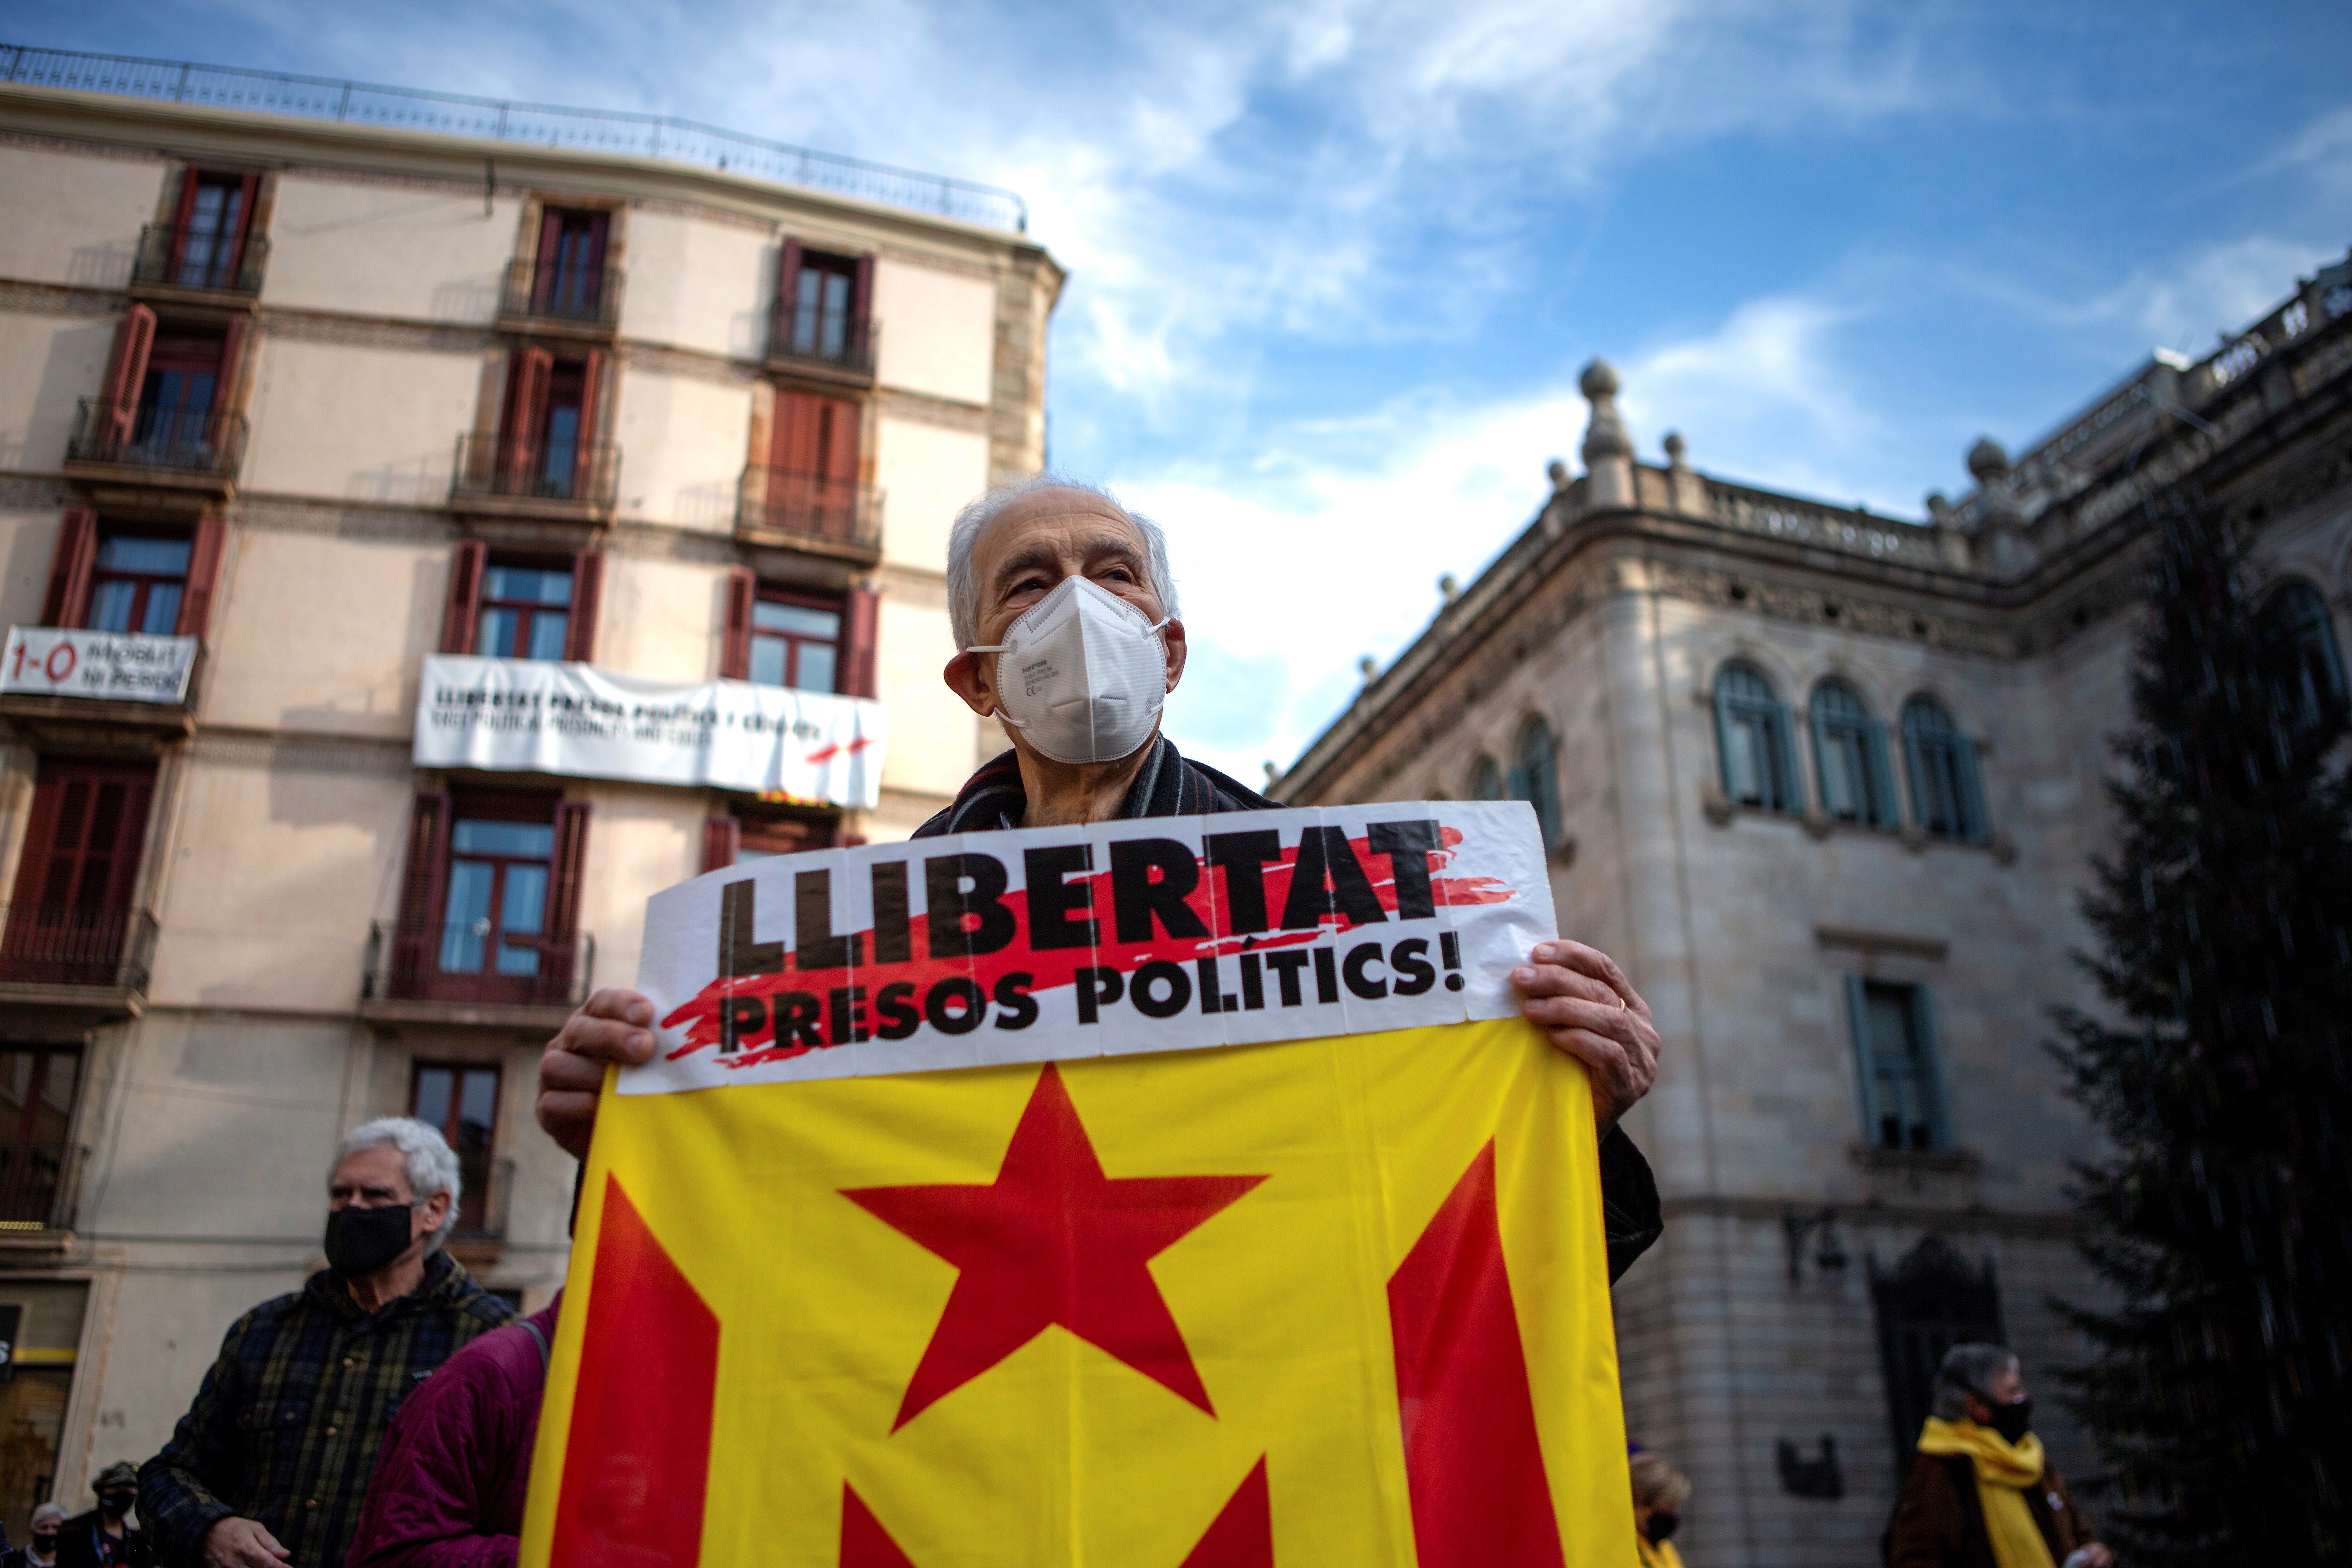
1174	634
429	1215
970	676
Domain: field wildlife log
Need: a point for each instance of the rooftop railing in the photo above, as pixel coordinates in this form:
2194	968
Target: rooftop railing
610	132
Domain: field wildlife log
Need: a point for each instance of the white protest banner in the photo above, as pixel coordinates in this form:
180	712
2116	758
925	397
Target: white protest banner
113	666
517	715
1057	944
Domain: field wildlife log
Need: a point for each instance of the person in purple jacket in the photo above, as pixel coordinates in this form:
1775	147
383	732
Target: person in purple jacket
448	1487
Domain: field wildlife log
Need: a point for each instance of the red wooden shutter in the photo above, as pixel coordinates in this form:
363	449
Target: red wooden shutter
126	374
860	624
204	575
543	273
526	426
67	600
599	230
841	442
420	879
735	648
83	840
176	242
464	603
583	461
224	379
793	444
788	294
563	890
247	196
587	599
861	306
722	837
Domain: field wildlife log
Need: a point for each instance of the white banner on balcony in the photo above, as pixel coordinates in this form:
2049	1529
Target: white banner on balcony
519	715
111	667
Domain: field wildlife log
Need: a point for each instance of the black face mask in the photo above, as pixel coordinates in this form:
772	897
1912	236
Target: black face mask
360	1241
1664	1521
45	1544
114	1505
2012	1421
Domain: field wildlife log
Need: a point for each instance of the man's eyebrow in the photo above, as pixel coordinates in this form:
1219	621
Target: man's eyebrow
1021	561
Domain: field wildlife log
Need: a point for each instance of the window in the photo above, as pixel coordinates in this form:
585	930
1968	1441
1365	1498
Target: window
1486	780
1751	732
547	447
810	483
1945	797
569	280
2306	675
214	211
175	399
794	643
1849	757
489	899
136	584
526	613
1535	778
498	896
1902	1078
71	909
822	303
460	1100
37	1107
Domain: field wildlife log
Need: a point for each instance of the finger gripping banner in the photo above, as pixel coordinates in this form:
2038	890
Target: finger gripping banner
1060	1268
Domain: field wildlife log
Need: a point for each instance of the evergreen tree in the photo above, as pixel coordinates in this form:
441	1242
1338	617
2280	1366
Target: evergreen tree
2222	1216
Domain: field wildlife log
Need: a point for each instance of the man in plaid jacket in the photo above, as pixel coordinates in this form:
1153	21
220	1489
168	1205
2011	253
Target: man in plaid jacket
270	1465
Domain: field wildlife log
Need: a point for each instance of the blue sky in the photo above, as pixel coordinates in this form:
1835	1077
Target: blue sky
1334	264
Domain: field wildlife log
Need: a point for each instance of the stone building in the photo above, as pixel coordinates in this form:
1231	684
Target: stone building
302	385
1827	784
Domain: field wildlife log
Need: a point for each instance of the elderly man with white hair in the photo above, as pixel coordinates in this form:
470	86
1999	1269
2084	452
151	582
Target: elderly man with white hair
270	1464
1065	623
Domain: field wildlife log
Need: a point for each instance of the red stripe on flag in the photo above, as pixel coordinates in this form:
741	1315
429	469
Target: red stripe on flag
864	1543
1472	1459
1242	1536
638	1460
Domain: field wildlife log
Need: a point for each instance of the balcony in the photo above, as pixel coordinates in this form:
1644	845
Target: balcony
834	350
515	477
75	964
177	259
573	300
473	974
192	450
40	1184
815	512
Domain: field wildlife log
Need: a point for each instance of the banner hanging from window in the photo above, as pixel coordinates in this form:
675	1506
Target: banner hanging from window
518	715
110	667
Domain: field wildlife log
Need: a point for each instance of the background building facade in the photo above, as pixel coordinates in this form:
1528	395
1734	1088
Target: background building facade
322	400
1828	785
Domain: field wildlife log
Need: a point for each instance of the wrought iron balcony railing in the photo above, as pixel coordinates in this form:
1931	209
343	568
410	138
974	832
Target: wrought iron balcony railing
40	1184
810	506
61	944
181	255
516	468
476	964
550	292
848	346
205	441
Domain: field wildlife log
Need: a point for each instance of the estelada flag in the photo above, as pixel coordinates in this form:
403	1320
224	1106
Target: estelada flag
1335	1299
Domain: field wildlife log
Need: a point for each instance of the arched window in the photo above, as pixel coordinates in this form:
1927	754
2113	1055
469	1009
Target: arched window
1535	778
1946	798
1849	758
1486	781
1751	734
2298	642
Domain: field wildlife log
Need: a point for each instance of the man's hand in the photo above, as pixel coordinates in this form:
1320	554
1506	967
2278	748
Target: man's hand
1583	1001
236	1543
611	1027
2092	1556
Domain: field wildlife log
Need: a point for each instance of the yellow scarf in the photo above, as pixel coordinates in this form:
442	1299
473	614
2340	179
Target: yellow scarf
1657	1553
2003	1472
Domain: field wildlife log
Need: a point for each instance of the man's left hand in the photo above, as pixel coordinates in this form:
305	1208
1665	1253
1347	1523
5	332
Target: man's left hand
1580	997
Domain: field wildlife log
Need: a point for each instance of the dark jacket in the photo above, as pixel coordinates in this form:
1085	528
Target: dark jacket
1168	784
82	1542
286	1427
448	1489
1940	1521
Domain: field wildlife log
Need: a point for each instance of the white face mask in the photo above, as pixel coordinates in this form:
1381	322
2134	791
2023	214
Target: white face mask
1082	674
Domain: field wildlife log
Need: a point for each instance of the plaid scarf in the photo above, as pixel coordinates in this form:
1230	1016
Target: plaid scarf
1166	786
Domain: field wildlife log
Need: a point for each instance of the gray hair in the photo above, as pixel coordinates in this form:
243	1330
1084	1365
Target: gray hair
432	1164
1966	1369
963	586
48	1513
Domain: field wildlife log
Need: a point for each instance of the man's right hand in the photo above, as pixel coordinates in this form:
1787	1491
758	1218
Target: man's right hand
611	1027
236	1543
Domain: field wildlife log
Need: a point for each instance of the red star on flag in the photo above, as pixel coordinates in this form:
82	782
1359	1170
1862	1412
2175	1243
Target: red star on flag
1052	1240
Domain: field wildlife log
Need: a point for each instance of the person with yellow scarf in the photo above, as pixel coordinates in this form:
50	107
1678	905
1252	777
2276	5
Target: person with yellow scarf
1659	1492
1981	1493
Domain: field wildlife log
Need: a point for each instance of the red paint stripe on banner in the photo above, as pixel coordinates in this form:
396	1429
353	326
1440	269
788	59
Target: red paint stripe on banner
864	1543
1472	1460
1242	1536
638	1460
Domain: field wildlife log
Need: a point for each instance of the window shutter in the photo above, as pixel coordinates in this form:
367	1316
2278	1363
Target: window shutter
1857	1012
571	861
583	461
126	374
788	294
1817	720
794	443
587	599
1915	768
204	575
840	460
181	218
1784	762
464	607
599	230
1883	811
860	622
420	881
246	195
861	309
526	394
542	271
722	837
231	360
1938	1083
735	648
69	568
1970	781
